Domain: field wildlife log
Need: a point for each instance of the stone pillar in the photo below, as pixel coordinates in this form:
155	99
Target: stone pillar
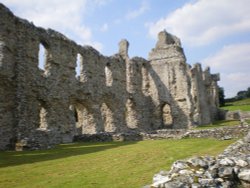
123	48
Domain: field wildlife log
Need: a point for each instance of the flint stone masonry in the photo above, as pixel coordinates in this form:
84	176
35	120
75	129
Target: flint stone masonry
223	133
43	107
230	169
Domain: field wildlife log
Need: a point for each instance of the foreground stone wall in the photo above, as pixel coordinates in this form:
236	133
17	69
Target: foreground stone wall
42	106
229	169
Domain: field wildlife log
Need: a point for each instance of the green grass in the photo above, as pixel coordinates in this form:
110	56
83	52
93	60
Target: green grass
243	105
219	124
105	165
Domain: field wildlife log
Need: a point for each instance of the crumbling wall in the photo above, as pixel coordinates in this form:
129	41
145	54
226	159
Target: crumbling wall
169	78
50	104
229	169
205	95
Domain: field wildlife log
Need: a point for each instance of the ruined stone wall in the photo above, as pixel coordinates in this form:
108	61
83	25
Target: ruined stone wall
43	106
229	169
188	94
204	94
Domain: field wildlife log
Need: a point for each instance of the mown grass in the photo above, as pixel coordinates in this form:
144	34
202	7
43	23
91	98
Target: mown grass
105	165
243	105
218	124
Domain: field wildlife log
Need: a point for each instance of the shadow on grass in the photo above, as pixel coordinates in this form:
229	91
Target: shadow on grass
13	158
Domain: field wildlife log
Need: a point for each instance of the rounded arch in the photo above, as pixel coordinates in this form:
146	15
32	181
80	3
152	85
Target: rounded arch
84	118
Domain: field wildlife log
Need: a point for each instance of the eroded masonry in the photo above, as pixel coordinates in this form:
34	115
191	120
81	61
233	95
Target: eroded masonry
52	104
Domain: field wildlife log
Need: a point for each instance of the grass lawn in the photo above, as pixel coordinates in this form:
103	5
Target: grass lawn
218	124
105	165
243	105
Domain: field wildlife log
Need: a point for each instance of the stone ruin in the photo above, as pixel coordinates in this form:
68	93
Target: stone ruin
230	169
40	107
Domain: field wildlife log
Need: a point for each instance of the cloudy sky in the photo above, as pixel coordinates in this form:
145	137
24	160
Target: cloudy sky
213	32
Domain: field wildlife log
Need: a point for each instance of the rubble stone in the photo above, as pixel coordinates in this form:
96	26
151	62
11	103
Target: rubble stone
229	169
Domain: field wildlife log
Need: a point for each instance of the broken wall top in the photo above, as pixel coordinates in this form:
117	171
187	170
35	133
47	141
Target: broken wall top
168	46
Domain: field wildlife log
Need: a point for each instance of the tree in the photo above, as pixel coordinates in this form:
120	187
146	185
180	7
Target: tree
241	95
248	92
221	96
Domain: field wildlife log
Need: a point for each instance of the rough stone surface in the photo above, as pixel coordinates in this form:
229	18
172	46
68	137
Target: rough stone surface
230	169
234	115
223	133
43	105
217	133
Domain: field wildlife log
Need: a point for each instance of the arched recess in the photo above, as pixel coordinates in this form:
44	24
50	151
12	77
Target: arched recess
108	118
43	124
84	119
167	118
74	120
108	75
131	114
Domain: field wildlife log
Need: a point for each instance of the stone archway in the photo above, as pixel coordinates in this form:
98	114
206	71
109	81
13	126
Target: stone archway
84	119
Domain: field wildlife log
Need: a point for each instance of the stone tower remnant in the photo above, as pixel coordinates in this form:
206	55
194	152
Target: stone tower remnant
117	94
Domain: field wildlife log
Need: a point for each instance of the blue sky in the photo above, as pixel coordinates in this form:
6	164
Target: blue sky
213	32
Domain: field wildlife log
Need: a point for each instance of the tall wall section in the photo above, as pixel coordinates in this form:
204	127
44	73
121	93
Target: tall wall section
42	106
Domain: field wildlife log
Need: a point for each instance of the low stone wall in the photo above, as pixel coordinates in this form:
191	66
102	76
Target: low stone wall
233	115
229	169
245	115
222	133
218	133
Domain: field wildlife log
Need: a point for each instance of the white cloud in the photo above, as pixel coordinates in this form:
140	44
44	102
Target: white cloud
205	21
104	27
234	82
135	13
231	58
100	2
232	62
64	16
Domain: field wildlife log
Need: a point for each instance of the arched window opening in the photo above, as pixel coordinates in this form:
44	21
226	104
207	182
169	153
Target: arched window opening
80	69
78	65
108	75
42	56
